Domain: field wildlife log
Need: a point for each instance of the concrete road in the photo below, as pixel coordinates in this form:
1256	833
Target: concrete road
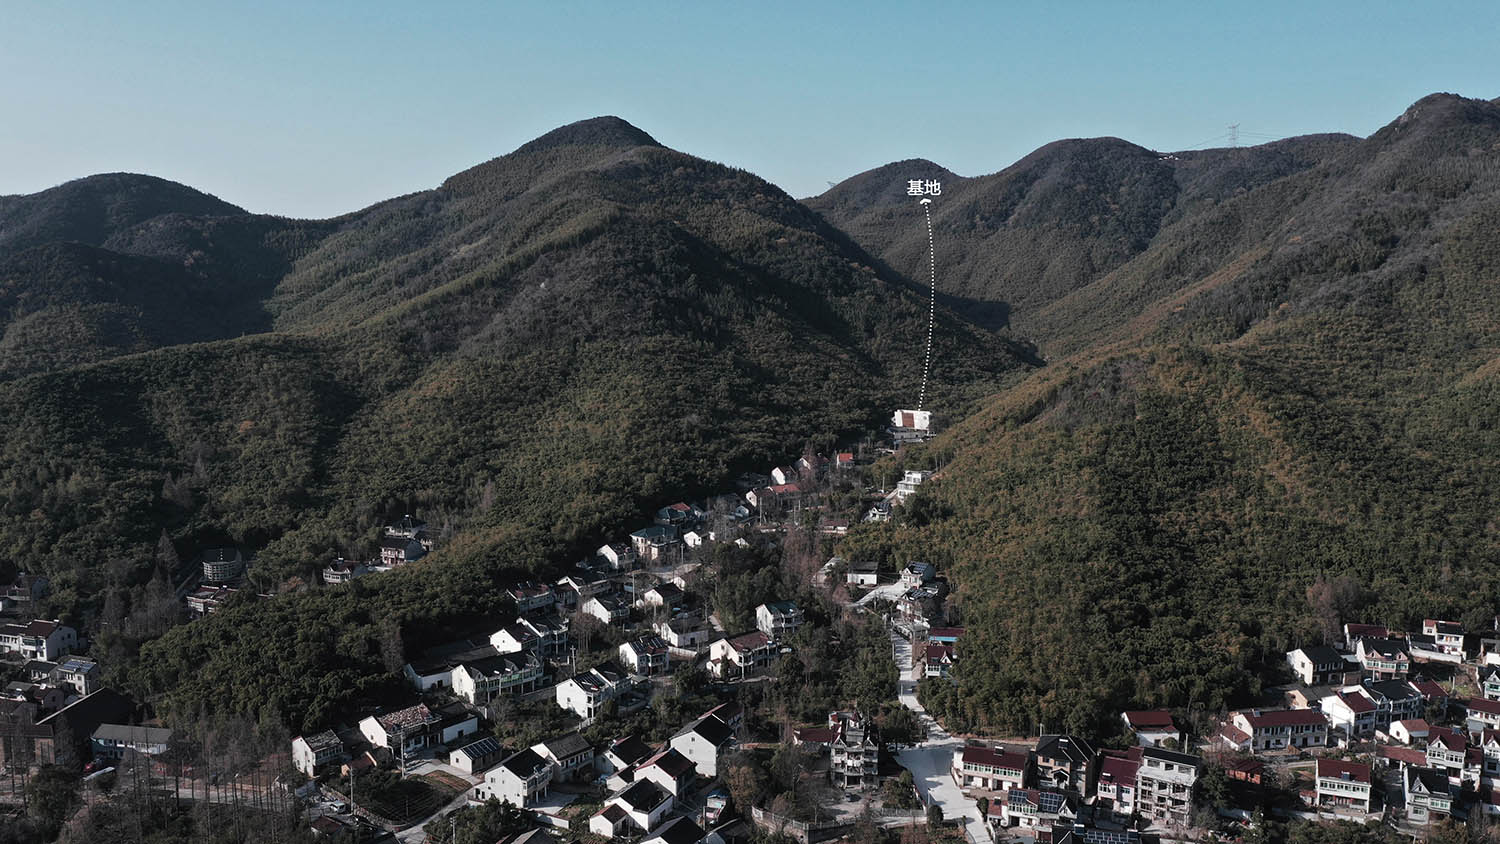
931	762
415	833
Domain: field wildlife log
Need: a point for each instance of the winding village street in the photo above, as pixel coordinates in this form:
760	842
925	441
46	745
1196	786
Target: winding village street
931	761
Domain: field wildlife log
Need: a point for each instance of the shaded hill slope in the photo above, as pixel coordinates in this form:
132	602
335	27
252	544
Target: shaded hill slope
530	356
1154	521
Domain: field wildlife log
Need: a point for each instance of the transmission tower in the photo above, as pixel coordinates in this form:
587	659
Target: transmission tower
1234	134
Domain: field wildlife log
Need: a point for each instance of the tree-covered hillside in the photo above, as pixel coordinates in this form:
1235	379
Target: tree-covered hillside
1293	389
1062	218
532	356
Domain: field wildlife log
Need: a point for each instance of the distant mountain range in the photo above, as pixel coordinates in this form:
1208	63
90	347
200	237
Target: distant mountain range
1262	366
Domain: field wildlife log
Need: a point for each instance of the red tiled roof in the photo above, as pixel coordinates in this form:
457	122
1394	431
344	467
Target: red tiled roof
784	489
937	653
1234	734
1150	719
1410	756
1488	707
1285	718
750	641
1118	769
1415	725
1429	689
1358	704
1449	739
1337	768
975	755
1246	766
945	632
815	735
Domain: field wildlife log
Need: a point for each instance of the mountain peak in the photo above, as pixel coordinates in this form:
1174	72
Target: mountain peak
91	209
606	131
1447	109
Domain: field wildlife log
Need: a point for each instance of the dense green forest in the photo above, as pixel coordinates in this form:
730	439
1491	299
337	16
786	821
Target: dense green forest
1268	405
1280	444
532	356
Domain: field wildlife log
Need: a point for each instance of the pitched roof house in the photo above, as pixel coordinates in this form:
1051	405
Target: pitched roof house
703	742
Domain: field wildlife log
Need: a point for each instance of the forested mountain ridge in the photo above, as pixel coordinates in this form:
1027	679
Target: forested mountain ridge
120	263
1011	243
1292	386
1269	365
530	355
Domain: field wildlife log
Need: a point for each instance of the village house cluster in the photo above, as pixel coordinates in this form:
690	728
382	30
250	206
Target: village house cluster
641	590
1065	783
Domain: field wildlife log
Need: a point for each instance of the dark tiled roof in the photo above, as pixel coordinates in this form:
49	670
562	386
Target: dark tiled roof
673	762
1066	748
630	749
711	728
1322	655
1339	769
644	795
1170	756
679	831
566	746
523	763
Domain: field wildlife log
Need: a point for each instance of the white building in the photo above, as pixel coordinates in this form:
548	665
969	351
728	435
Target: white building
1152	728
647	656
741	655
703	742
1319	665
521	779
47	640
670	770
863	573
480	681
989	768
312	753
403	732
639	809
854	752
1164	783
778	619
114	741
607	608
1282	728
620	556
476	756
682	633
585	694
914	420
1448	635
1343	785
907	486
1410	731
571	757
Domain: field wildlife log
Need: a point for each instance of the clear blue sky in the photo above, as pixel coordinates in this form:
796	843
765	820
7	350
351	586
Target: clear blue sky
318	108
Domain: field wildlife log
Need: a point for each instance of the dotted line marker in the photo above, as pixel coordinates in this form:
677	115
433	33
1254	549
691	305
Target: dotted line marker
932	304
